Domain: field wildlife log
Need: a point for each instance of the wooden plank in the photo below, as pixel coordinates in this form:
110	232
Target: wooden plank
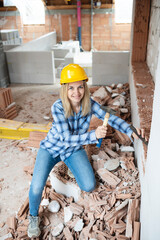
4	9
83	6
109	177
136	232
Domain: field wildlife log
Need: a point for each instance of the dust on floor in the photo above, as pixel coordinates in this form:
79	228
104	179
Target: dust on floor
34	104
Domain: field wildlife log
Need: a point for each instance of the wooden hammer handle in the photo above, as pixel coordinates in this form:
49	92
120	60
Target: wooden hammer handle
105	122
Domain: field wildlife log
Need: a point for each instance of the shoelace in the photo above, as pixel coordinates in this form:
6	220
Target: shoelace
33	221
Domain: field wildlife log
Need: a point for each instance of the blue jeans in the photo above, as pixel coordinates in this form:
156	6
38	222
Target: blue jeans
79	165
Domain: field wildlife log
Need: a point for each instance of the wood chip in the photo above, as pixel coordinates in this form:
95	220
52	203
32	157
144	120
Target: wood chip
111	153
76	209
12	223
67	234
136	233
24	208
109	177
103	155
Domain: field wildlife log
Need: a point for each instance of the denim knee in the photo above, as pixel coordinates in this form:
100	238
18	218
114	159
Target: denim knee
89	187
36	189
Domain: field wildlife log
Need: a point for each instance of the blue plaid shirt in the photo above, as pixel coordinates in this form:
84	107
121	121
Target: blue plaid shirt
68	135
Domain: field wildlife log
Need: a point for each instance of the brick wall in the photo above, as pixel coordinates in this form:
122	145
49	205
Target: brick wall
140	30
106	34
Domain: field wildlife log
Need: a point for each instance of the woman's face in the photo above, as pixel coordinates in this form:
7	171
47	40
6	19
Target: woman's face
76	92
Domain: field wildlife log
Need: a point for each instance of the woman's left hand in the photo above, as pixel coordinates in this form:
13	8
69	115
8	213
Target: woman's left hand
140	132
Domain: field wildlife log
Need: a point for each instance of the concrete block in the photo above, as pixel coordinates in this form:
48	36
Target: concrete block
4	82
3	70
4	78
88	71
110	67
58	61
69	58
60	53
31	67
44	43
59	69
8	34
61	49
9	47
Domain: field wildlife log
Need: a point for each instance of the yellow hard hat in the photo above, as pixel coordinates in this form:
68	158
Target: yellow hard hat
73	73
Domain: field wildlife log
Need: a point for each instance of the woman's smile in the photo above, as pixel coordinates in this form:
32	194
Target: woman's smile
75	92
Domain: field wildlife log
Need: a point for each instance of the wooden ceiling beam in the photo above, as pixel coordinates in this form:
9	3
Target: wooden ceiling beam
3	9
83	6
58	7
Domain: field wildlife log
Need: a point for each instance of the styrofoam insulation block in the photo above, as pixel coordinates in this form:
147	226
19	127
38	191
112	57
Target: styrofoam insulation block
57	230
126	149
79	225
54	206
45	202
67	214
68	189
6	236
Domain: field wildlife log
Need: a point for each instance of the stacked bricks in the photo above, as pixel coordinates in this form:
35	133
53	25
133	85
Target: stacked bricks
7	106
140	31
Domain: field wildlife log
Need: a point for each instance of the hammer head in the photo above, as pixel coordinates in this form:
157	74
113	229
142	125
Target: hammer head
109	110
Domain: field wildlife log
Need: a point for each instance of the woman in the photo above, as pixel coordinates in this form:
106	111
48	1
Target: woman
72	115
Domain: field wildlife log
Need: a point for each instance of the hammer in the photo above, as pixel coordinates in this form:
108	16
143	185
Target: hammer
113	112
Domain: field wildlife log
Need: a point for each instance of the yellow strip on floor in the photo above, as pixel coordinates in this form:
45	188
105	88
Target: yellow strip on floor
18	130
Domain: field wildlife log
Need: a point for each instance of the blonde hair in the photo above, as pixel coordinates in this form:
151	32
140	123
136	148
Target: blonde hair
67	105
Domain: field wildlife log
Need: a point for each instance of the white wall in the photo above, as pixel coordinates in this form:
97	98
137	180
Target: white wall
150	205
150	202
150	180
154	35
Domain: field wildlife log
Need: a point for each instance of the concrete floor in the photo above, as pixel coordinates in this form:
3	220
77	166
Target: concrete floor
33	103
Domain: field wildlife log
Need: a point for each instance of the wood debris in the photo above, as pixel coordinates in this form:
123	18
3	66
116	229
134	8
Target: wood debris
35	138
109	177
111	211
8	108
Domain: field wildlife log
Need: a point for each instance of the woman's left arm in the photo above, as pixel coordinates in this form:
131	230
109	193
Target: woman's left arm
141	132
114	121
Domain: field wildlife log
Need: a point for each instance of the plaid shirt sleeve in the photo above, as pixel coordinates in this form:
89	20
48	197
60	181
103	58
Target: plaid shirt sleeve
68	138
114	121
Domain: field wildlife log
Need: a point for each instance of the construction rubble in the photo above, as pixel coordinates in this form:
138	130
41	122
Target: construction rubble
111	211
8	108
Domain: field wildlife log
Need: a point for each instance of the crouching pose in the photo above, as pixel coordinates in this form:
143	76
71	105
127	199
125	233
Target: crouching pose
72	115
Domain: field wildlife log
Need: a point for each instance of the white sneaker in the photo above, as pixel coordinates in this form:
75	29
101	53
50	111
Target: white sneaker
33	227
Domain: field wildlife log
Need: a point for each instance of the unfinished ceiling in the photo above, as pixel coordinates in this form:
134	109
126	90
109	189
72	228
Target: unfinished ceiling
71	3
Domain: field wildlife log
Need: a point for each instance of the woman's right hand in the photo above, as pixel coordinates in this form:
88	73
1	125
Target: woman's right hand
101	132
